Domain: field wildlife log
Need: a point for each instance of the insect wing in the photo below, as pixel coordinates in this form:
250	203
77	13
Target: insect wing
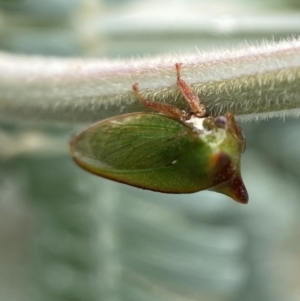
131	143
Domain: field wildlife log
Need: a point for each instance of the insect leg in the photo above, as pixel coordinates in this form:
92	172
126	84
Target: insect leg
159	106
191	97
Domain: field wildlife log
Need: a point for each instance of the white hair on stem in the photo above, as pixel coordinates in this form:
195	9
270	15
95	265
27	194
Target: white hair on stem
252	81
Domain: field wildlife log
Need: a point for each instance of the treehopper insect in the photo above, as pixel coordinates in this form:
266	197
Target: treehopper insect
169	150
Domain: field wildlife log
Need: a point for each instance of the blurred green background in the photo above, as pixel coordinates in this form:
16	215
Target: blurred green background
68	235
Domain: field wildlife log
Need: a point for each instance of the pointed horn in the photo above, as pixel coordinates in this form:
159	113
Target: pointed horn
234	188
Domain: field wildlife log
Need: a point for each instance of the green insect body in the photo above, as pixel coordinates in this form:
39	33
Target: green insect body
170	151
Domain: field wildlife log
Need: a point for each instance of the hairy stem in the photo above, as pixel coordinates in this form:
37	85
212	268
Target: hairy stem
251	81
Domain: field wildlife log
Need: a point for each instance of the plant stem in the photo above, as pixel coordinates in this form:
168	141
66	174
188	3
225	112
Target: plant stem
252	81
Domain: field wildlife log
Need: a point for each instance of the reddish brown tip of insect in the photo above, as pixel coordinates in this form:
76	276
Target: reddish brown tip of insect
234	188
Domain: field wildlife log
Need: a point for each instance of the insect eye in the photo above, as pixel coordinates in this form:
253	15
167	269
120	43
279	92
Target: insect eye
221	122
